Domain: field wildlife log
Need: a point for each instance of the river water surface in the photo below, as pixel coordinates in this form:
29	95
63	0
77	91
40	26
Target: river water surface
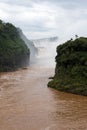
27	104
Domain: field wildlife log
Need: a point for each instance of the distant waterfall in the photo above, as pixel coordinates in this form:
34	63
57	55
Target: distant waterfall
46	50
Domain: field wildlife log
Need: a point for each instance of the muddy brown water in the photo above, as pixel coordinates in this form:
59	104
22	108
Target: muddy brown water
27	104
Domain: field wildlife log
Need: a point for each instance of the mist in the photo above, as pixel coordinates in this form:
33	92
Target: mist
46	51
30	45
42	51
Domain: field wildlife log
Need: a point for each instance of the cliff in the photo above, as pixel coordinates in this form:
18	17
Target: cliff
13	51
71	67
31	46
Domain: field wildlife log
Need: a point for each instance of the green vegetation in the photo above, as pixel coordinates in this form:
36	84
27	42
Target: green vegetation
71	67
13	51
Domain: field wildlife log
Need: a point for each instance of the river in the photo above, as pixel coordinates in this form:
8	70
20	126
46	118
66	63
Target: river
26	103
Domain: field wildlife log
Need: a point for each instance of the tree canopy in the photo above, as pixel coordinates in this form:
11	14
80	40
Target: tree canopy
13	51
71	67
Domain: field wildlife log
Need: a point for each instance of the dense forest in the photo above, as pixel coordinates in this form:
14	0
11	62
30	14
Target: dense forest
14	53
71	67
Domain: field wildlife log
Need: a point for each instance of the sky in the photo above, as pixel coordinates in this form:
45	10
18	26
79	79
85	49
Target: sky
46	18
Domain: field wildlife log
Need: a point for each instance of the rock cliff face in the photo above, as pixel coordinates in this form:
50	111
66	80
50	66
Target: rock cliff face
13	51
31	46
71	67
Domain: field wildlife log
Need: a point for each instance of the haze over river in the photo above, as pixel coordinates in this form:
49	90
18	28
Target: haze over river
27	104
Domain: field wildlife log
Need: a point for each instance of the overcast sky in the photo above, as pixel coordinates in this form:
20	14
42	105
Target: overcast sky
46	18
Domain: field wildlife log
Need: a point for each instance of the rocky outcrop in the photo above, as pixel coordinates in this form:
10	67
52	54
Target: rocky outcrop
71	67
